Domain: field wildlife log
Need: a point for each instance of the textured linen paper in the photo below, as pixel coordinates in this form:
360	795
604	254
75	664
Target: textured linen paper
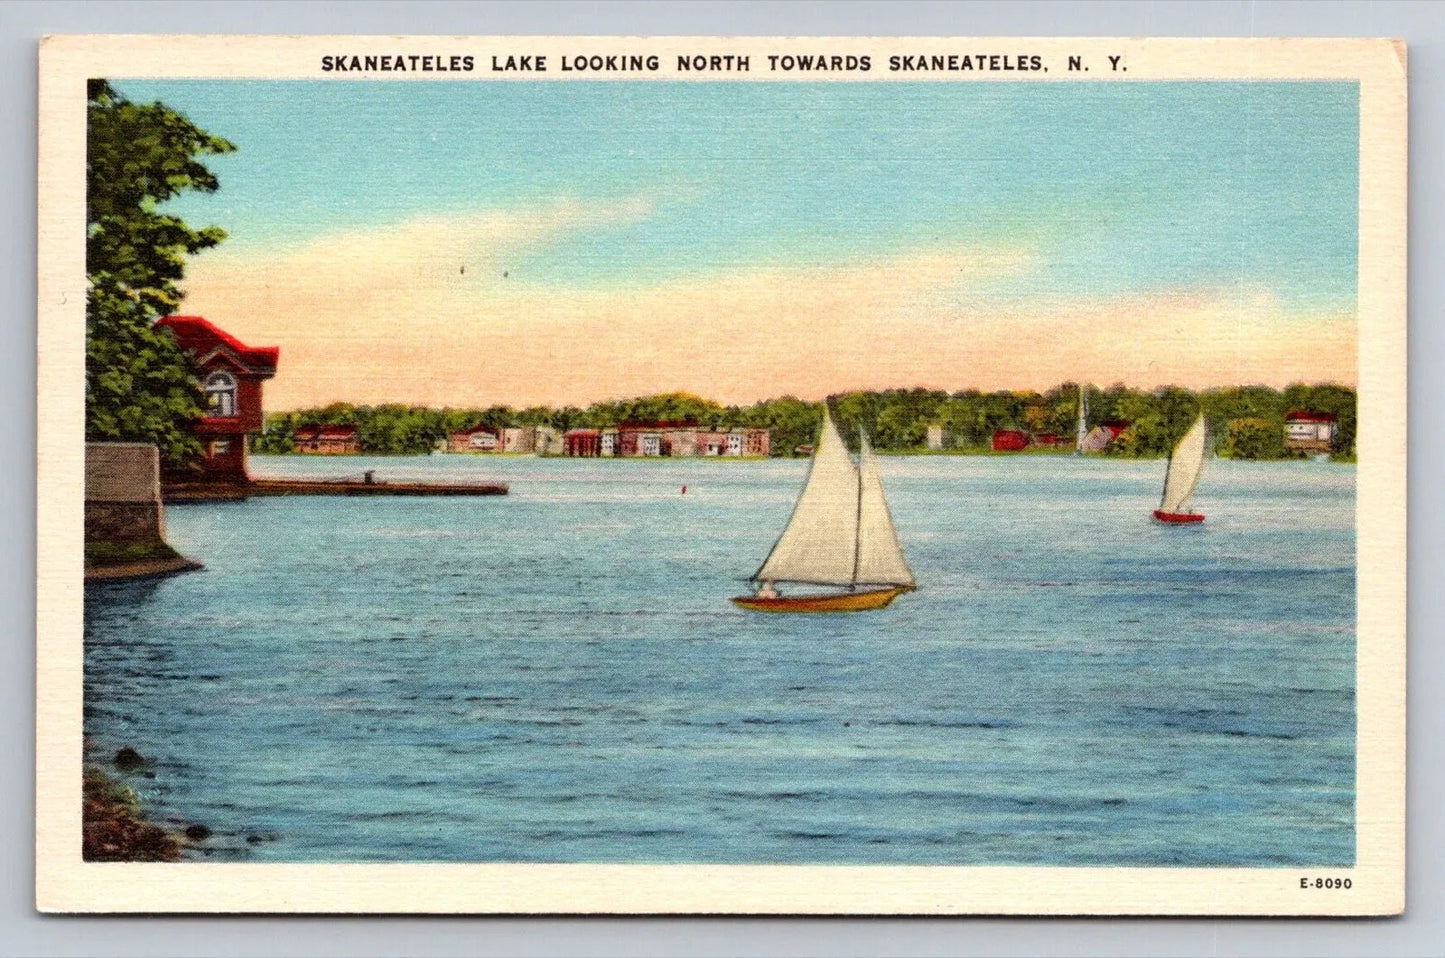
721	475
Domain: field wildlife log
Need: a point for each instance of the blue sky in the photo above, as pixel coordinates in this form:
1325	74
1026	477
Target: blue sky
1123	187
988	212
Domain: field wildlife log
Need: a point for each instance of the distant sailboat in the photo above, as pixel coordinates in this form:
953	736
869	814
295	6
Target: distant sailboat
1186	462
841	534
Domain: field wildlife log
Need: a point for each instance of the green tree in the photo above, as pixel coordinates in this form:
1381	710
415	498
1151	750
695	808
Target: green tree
1247	422
1061	406
793	422
1253	437
279	434
139	386
1148	433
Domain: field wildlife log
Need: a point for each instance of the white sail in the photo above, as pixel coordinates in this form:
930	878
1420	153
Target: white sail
880	556
1082	434
820	543
1184	467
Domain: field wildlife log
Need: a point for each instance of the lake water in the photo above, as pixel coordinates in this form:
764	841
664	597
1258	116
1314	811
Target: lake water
558	675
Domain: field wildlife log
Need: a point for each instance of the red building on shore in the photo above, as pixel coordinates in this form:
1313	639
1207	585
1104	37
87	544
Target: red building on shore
582	442
327	440
231	373
672	437
1010	440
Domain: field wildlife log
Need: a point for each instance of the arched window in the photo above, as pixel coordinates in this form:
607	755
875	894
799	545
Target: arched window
221	394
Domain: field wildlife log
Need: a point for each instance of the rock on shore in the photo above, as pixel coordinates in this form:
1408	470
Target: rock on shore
114	828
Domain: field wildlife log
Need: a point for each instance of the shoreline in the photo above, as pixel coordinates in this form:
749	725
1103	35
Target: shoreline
141	569
114	824
108	561
881	453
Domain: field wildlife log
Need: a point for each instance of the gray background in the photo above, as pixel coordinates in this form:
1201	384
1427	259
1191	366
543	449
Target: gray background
23	932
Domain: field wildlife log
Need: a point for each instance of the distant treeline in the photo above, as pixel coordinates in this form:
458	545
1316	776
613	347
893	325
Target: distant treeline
1247	422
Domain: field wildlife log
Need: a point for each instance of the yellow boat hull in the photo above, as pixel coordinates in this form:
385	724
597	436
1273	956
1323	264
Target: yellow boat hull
840	602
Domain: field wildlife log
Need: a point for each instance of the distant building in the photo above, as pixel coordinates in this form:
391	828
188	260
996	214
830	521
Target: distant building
756	441
935	436
522	439
548	441
582	442
1100	436
1050	439
711	442
1115	426
541	440
677	437
327	440
231	373
1306	431
475	439
1010	440
681	437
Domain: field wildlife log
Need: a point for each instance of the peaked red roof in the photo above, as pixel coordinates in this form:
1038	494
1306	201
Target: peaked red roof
199	336
1304	415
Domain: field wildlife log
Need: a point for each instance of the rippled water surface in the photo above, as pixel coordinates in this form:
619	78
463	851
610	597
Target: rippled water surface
558	675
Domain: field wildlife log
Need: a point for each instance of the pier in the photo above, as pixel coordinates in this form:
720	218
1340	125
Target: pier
221	492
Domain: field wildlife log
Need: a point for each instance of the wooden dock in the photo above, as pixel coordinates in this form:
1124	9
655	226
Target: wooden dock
222	492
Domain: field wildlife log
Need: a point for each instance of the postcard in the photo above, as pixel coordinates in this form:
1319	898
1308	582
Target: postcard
716	475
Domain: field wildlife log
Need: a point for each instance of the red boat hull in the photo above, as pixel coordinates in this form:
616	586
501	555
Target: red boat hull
1178	518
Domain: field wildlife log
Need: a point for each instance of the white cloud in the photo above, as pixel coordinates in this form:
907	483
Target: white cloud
390	316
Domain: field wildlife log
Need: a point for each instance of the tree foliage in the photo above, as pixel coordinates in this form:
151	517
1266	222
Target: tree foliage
1251	437
139	386
1246	422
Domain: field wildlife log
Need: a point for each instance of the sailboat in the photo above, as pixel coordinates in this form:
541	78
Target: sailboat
1186	462
841	534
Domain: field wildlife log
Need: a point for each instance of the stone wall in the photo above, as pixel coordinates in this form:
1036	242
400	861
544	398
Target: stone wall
123	522
122	472
123	493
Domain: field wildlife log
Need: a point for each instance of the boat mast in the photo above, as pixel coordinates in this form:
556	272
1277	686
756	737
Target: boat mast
1168	464
858	512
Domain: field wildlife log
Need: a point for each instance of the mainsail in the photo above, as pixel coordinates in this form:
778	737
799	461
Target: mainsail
841	532
1185	465
821	540
880	557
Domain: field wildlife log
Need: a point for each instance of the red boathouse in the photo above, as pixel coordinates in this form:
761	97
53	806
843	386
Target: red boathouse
231	373
340	440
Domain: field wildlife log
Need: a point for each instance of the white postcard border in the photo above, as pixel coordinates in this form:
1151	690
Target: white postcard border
65	883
